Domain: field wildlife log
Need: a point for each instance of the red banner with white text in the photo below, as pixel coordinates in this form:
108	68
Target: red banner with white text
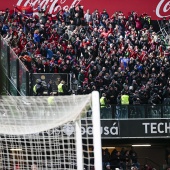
157	9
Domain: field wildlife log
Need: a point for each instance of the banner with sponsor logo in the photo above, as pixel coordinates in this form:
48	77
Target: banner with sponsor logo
146	128
110	129
156	8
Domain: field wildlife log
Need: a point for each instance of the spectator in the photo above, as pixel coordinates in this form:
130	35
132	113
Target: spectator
49	87
38	88
105	158
116	159
87	17
37	37
81	77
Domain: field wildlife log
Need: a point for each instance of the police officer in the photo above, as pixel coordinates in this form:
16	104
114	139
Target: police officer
124	99
51	101
124	103
103	105
38	88
103	100
62	88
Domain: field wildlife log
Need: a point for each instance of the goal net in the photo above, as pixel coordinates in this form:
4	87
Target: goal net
50	132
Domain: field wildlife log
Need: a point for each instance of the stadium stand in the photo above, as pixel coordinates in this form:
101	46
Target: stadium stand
113	54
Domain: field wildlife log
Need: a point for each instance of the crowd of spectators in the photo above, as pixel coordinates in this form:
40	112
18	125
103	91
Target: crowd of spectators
109	53
124	159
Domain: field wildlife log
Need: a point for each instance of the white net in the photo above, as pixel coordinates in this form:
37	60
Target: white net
29	115
39	133
88	148
52	149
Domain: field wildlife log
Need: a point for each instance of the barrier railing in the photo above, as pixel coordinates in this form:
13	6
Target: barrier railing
136	111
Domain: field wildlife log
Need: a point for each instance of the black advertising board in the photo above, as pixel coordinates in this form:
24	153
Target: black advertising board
134	128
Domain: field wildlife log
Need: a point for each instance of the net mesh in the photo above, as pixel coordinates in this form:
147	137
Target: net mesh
28	115
55	148
39	132
88	148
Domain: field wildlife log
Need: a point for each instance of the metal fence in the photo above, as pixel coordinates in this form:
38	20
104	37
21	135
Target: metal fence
136	111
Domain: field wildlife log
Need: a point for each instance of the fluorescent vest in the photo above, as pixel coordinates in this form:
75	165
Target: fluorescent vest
34	89
124	99
51	100
60	88
102	102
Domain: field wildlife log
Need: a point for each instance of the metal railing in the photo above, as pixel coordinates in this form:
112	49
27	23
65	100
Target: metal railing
136	111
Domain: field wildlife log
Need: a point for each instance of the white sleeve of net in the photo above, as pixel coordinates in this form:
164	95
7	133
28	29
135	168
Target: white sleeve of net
96	130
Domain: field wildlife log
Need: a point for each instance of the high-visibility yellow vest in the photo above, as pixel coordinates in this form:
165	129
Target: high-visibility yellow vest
34	89
124	99
51	100
60	88
149	20
102	102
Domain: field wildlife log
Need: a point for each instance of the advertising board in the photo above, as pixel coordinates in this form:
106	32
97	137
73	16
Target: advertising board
157	9
144	128
114	129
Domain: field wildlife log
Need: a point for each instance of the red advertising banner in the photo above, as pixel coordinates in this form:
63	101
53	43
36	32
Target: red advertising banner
26	10
157	9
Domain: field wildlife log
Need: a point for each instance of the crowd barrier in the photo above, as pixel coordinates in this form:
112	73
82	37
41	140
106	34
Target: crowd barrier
136	111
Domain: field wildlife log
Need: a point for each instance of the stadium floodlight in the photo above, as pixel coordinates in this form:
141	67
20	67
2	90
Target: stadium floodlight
48	135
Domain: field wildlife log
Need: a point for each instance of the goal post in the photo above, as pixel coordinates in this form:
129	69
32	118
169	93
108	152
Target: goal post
38	134
79	147
96	131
